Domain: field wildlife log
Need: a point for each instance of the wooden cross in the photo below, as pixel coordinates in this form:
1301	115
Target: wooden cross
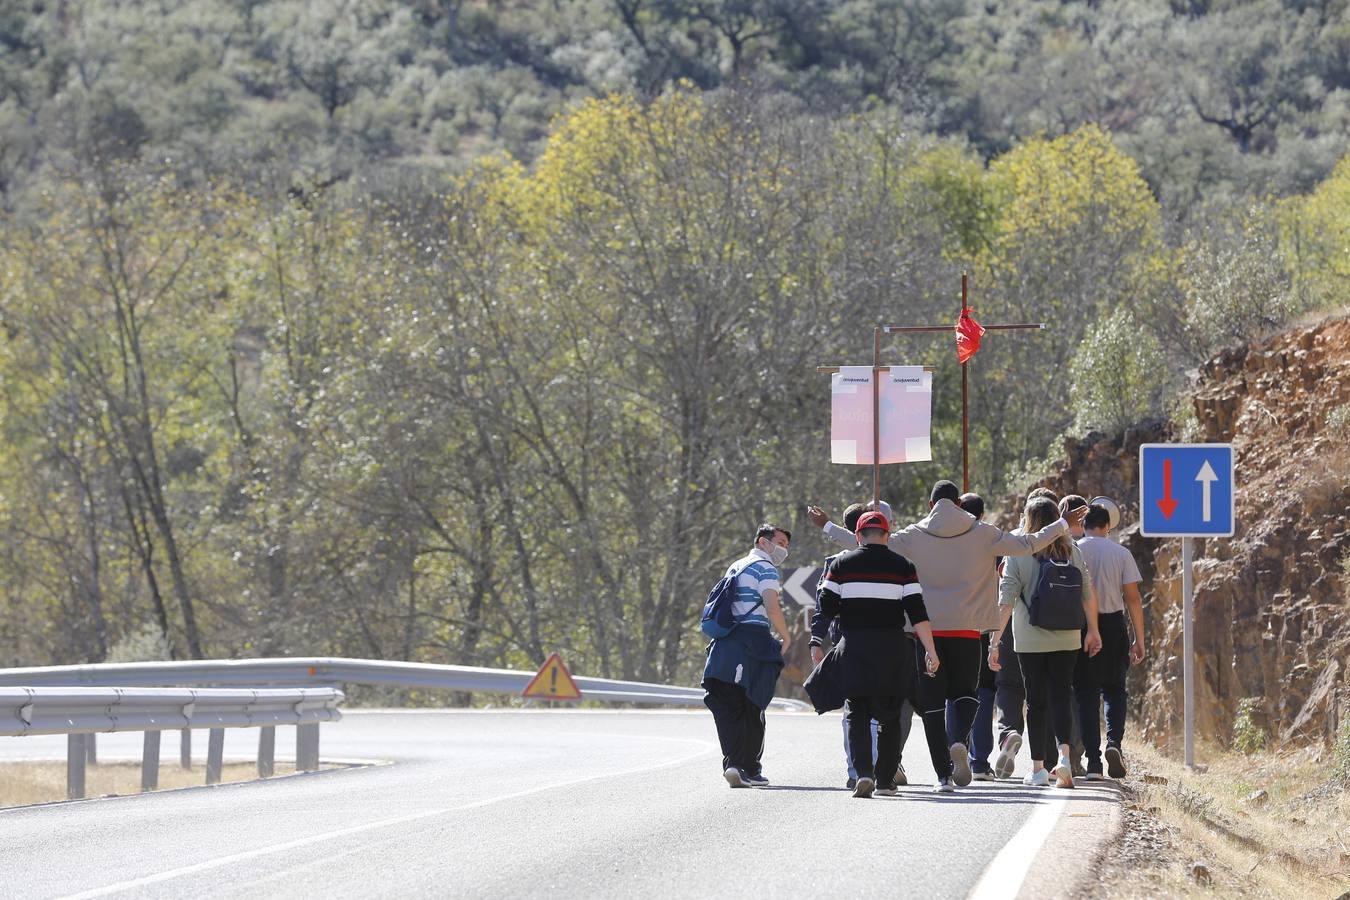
877	368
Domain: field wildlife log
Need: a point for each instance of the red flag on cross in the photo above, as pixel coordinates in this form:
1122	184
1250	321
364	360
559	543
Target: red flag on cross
968	334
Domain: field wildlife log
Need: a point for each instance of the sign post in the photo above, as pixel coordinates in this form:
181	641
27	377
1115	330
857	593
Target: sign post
965	369
1186	491
877	368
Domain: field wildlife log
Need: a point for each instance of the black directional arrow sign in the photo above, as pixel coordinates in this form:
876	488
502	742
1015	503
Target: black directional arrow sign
800	585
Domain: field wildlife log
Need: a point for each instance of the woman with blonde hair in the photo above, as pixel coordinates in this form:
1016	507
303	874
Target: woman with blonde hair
1054	615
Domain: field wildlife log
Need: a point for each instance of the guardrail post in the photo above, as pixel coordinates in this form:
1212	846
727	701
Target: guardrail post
150	762
215	755
307	747
267	751
91	749
185	750
75	760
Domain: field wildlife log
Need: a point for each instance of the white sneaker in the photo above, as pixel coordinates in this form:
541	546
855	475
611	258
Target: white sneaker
1037	779
1006	761
1063	773
961	774
734	777
863	789
944	786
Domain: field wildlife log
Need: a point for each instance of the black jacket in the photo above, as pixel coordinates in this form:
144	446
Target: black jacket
871	590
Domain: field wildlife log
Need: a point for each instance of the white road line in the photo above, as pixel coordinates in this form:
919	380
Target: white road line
221	861
1003	877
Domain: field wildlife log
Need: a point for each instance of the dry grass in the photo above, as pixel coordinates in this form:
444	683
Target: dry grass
1293	845
22	784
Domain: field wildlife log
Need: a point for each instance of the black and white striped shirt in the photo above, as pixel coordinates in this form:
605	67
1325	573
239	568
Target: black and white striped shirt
870	587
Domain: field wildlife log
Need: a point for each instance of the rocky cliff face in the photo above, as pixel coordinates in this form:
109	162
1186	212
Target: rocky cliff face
1272	604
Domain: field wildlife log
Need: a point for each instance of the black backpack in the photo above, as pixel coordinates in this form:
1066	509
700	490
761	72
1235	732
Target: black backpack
1057	602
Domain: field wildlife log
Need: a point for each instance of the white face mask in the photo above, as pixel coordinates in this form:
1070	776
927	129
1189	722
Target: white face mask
777	554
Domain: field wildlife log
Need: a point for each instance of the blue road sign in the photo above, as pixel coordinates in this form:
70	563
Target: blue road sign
1186	490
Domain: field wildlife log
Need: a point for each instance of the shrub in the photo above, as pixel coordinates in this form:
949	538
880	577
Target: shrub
1248	736
1340	754
1115	374
1237	283
146	645
1338	421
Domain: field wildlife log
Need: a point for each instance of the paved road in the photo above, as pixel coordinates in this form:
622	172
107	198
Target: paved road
519	804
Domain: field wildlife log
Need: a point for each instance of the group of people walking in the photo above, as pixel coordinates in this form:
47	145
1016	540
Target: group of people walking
951	618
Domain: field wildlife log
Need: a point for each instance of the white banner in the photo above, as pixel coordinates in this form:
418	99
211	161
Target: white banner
906	407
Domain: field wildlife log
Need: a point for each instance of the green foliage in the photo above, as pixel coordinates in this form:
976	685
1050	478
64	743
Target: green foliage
1114	374
476	417
1248	736
1340	754
1215	101
148	644
1316	238
1237	283
1181	412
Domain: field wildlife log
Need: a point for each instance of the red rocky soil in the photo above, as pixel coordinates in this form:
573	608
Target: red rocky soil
1272	603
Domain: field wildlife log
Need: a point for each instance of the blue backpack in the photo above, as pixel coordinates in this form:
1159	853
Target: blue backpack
718	613
1057	603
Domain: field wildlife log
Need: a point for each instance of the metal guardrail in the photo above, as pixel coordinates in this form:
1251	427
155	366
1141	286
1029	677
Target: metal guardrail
82	712
82	700
337	670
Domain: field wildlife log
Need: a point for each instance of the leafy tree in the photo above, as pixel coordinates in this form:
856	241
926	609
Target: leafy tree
1316	238
1114	374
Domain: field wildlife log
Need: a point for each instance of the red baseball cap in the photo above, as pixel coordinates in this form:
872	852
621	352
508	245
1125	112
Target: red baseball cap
873	519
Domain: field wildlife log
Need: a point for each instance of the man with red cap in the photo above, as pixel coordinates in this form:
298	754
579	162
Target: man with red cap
871	590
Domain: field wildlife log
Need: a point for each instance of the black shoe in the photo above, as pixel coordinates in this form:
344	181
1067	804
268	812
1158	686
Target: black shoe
851	783
756	780
1076	766
887	789
1094	770
1115	762
982	772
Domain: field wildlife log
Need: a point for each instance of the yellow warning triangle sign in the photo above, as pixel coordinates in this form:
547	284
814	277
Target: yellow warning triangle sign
553	682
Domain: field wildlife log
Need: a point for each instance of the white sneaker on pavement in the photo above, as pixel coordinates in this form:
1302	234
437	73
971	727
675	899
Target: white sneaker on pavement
1063	773
1040	778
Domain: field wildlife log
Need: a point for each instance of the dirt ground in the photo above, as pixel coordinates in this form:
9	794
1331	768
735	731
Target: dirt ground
26	783
1271	825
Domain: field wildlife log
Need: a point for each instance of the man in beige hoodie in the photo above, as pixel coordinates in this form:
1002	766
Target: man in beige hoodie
955	554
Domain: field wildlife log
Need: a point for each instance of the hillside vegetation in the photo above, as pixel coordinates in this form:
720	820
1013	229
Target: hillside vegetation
1216	99
272	386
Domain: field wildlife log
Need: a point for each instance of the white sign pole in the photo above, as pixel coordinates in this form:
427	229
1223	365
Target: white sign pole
1188	649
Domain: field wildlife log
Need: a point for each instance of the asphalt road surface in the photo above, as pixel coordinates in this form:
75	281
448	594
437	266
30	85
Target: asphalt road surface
521	804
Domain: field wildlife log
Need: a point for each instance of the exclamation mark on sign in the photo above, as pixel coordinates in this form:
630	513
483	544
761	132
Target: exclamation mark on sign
553	681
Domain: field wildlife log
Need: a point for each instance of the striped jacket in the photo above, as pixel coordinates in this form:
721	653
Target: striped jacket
871	587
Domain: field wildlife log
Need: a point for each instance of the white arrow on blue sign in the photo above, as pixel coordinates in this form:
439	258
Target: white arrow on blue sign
1186	490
